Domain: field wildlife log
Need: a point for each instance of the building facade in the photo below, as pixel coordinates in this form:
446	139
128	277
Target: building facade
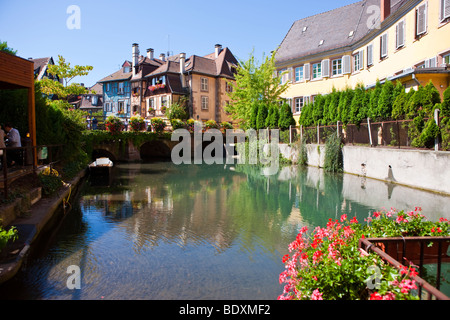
200	82
117	92
366	42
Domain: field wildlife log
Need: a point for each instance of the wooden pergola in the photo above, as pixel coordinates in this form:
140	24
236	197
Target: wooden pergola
18	73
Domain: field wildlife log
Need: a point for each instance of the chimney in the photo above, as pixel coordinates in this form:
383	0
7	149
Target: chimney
135	59
150	53
218	49
182	69
385	9
162	57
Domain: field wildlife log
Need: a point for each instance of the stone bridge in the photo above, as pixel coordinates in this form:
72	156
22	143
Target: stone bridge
127	151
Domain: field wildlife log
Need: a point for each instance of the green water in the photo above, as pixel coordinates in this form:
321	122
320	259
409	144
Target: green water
162	231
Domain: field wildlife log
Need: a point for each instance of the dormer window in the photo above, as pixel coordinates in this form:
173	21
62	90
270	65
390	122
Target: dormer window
126	69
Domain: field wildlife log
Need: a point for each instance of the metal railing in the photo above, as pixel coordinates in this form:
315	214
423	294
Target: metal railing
405	249
46	155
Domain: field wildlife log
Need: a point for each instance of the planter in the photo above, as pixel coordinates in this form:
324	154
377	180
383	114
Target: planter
410	248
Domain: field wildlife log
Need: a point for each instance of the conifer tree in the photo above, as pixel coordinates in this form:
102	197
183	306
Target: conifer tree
286	117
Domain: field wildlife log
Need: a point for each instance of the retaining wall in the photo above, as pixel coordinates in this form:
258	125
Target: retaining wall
428	170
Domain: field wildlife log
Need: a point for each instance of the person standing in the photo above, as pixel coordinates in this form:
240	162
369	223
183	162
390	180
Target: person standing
13	141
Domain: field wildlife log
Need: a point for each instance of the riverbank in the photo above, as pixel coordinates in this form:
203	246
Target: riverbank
32	223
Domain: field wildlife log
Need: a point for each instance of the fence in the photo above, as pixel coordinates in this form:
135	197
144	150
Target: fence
47	155
386	133
418	251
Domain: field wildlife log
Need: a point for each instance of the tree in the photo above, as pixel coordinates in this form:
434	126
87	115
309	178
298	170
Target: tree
445	106
178	110
66	73
358	107
372	112
385	100
273	117
286	117
4	48
261	117
255	84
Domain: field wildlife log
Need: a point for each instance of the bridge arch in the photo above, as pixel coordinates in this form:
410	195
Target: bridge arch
99	153
156	149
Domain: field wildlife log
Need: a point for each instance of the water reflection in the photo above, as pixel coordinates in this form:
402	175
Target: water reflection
161	231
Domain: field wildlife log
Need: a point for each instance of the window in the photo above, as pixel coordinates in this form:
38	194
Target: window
108	86
228	87
383	46
317	70
370	55
204	103
120	91
284	76
337	67
298	104
400	34
299	74
164	101
204	84
94	100
357	61
446	59
108	107
445	10
421	19
121	106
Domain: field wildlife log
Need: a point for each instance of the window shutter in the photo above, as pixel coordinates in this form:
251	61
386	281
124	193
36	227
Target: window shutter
383	45
326	68
307	71
432	62
347	64
370	55
445	9
400	41
361	59
421	19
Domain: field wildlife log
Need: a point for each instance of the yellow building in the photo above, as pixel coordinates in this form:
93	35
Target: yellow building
370	40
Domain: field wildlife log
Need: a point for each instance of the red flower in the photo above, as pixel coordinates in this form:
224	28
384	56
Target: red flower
375	296
285	258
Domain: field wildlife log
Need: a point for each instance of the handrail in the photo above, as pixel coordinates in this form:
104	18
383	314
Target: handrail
370	244
30	167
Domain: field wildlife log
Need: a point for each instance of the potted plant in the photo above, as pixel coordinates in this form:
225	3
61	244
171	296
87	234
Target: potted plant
211	124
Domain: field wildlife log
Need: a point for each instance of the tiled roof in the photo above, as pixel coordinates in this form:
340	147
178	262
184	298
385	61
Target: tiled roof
118	75
334	29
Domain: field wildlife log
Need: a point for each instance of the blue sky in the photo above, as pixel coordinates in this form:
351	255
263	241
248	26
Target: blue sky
108	28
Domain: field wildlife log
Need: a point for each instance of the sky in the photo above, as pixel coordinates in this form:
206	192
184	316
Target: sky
102	32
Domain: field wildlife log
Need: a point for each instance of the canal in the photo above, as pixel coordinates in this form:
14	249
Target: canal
162	231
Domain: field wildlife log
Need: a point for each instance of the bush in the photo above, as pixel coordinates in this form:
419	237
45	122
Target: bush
137	123
177	124
224	125
286	118
445	105
272	117
50	180
333	154
328	264
158	124
114	124
211	124
261	116
190	125
6	236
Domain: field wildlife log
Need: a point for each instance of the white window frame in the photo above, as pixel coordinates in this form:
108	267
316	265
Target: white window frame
205	103
204	84
298	104
383	46
444	12
300	74
120	89
336	67
317	74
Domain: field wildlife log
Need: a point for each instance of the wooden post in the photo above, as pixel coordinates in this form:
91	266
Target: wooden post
370	132
436	119
290	134
337	130
32	116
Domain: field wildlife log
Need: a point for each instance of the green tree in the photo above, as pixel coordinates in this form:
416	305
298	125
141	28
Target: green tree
333	106
445	106
254	83
385	100
358	106
344	105
372	112
178	110
261	117
66	74
273	117
286	117
4	48
317	111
